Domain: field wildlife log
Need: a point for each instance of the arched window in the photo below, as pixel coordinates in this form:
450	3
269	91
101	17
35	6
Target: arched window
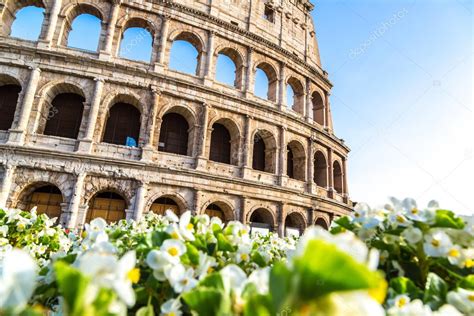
318	108
27	22
337	173
229	68
296	161
65	115
213	210
123	125
107	205
85	32
162	204
220	144
137	41
8	101
321	223
295	95
320	170
185	54
174	134
266	82
258	162
294	224
47	199
261	221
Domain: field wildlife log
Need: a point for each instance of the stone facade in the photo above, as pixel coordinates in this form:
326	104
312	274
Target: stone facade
283	45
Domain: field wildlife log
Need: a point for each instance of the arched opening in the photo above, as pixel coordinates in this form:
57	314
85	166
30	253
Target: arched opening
264	152
107	205
164	203
26	23
229	68
174	134
320	170
261	221
322	223
296	161
213	210
185	54
9	93
294	224
318	108
123	125
220	150
65	115
47	199
259	149
137	41
266	82
85	32
337	173
295	95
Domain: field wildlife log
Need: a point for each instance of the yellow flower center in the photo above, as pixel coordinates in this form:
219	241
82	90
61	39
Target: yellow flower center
356	214
402	302
134	275
173	251
171	314
453	253
84	234
471	297
414	210
210	270
469	263
189	226
435	243
400	219
244	256
174	235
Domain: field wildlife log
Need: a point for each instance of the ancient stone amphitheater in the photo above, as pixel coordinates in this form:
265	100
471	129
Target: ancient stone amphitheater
94	133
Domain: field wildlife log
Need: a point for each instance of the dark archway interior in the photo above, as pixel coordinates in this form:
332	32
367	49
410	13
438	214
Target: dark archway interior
8	101
220	144
174	134
123	125
108	205
65	115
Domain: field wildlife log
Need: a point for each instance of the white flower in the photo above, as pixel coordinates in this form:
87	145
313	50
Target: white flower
186	227
437	244
206	265
173	249
447	310
173	231
397	218
412	235
3	230
463	300
455	255
409	308
261	279
17	279
353	303
234	279
181	280
171	307
243	253
127	275
171	216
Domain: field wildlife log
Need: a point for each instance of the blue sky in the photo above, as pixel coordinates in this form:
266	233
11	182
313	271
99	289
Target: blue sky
403	90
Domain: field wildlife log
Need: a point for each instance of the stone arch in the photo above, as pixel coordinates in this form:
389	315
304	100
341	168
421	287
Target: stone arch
261	218
10	90
50	205
188	115
10	11
236	57
320	169
297	87
229	154
160	207
272	76
295	223
322	222
224	206
47	108
147	28
268	157
296	160
109	204
74	10
318	106
192	38
338	177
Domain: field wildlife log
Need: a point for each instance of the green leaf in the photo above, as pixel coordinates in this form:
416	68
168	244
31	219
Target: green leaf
192	253
258	305
435	291
403	285
258	259
213	280
345	222
206	301
72	286
224	244
467	282
145	311
280	279
448	219
158	237
316	274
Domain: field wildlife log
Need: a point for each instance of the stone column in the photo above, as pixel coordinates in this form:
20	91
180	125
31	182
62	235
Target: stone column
196	202
280	229
344	179
249	87
330	174
75	201
282	87
114	12
46	42
310	167
309	102
201	159
247	147
243	209
140	201
6	184
208	80
17	135
326	111
148	148
86	143
282	172
159	65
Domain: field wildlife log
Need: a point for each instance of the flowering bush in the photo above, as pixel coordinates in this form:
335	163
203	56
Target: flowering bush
196	265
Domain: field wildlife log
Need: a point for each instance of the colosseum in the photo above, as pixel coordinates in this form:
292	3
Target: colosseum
94	132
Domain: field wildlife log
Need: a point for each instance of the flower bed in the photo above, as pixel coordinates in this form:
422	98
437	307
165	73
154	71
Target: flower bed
396	260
